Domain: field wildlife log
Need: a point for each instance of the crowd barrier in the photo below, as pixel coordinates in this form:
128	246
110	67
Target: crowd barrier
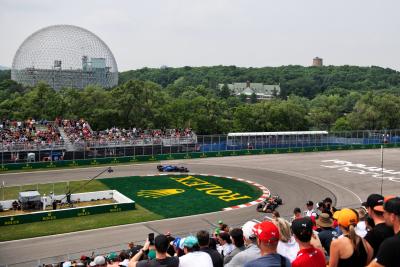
187	155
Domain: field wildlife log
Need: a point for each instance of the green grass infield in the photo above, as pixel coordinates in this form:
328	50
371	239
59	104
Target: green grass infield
156	197
178	195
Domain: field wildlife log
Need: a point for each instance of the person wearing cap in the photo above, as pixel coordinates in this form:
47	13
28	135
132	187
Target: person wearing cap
113	260
389	251
287	245
238	242
99	261
308	255
380	231
327	232
251	252
351	249
204	241
267	240
310	212
193	256
162	259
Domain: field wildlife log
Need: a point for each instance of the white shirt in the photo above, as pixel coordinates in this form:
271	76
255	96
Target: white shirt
226	248
361	229
196	259
289	249
310	213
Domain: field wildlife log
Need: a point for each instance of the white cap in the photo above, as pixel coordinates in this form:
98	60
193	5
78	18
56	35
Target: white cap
67	264
99	260
247	229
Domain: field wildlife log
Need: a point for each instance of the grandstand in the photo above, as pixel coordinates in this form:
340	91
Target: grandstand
74	139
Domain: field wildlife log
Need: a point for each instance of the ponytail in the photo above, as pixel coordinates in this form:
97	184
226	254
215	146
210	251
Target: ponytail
354	238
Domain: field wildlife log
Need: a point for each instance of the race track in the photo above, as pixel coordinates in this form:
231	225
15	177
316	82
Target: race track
296	177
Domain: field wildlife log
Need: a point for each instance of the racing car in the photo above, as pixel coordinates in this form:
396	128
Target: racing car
269	204
171	168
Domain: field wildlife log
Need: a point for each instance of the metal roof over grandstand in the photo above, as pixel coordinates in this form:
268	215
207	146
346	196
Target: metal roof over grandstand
278	133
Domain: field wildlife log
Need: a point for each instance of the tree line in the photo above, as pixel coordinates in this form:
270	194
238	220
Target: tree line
327	98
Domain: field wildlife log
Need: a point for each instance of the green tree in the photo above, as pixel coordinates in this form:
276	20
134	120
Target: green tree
253	98
225	92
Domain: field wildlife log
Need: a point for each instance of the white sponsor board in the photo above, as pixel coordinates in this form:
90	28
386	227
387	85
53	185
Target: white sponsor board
362	169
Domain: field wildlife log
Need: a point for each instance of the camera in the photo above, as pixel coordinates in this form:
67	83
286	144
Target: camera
151	238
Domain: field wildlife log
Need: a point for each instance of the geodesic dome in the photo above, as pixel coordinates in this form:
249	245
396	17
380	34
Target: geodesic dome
64	56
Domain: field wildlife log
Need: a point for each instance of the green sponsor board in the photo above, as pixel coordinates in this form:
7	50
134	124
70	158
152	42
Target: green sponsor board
182	195
65	213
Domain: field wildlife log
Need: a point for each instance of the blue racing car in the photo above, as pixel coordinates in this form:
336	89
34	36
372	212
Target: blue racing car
171	168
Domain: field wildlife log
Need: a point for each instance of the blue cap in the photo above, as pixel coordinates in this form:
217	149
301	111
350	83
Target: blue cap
190	241
176	242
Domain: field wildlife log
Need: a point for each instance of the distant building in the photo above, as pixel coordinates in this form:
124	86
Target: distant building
64	56
317	61
262	91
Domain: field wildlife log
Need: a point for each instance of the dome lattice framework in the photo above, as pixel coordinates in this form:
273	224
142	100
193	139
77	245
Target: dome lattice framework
64	56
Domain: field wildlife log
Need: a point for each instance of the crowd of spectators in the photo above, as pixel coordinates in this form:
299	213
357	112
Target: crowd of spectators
117	134
319	236
28	134
76	130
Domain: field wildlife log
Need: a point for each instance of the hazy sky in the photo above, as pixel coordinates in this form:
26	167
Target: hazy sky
249	33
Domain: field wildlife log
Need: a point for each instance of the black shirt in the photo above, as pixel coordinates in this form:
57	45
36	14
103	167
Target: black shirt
389	252
376	236
215	256
167	262
325	236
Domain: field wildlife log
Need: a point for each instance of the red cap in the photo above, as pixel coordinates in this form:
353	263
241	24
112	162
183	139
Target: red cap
266	232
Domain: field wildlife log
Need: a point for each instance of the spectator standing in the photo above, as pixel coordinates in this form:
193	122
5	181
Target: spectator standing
193	257
310	212
320	208
308	255
267	240
389	252
380	231
251	252
161	245
350	250
327	203
327	232
238	242
226	245
204	240
361	228
296	214
287	245
132	249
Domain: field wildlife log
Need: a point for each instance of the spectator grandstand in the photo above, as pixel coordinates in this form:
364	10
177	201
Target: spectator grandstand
29	135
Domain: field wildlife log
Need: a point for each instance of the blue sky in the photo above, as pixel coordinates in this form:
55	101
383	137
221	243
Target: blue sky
249	33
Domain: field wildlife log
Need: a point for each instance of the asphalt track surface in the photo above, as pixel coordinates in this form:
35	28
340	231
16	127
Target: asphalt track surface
296	177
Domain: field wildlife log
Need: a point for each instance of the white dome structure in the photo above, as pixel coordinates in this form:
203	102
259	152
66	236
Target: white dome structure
64	56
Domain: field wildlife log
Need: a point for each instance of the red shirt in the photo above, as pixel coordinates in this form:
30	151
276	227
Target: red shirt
309	257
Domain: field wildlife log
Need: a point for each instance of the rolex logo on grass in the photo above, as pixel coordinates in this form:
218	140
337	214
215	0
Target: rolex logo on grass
157	193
